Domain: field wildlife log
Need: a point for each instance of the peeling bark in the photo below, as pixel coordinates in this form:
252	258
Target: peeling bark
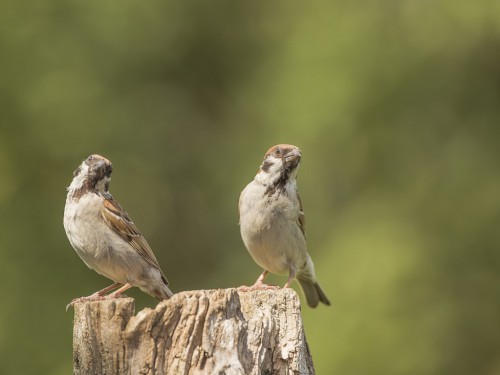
196	332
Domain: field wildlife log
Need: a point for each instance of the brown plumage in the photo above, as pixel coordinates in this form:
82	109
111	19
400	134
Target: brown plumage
272	223
105	237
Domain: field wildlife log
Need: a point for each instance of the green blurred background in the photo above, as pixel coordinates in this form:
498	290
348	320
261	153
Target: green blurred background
395	105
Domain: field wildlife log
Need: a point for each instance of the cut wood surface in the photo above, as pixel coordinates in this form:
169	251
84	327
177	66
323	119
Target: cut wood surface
196	332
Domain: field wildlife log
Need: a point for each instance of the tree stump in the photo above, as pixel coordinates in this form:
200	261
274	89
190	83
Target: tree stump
196	332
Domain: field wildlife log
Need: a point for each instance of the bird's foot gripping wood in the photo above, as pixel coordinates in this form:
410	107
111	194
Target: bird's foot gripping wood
101	294
258	285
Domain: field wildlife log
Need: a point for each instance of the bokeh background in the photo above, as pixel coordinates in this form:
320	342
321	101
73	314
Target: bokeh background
395	105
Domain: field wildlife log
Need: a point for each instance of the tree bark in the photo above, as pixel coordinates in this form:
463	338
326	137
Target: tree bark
196	332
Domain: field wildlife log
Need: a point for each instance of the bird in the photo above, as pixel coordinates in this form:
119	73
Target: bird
105	237
272	223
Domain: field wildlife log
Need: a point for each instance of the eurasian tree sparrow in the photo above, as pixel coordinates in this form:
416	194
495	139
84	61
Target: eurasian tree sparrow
105	237
272	223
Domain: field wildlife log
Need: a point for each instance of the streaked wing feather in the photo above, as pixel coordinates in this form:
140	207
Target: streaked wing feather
302	217
119	221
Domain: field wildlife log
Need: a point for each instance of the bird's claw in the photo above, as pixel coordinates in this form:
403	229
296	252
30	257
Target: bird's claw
93	297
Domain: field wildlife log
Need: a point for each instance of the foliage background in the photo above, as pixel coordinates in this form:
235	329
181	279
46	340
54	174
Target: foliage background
395	105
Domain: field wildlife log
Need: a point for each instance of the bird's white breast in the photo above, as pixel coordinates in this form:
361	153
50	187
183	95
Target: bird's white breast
82	220
269	228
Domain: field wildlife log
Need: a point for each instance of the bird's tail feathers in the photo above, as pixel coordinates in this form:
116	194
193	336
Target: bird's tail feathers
161	292
313	292
307	279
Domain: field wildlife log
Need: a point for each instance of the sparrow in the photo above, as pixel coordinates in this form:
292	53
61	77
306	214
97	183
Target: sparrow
105	237
272	223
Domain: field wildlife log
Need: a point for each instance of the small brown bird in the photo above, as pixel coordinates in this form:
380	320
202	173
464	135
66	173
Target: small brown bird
272	223
105	237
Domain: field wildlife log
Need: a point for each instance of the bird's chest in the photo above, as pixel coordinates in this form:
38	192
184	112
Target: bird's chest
263	215
84	226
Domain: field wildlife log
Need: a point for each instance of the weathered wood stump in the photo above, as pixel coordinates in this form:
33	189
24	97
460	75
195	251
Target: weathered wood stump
196	332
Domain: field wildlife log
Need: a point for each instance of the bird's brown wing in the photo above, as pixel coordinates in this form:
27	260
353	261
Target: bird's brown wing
302	218
119	221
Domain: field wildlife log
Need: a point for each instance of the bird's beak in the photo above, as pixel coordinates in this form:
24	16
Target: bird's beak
104	167
293	157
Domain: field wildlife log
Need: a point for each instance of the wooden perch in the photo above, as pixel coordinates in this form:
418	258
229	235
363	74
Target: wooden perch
197	332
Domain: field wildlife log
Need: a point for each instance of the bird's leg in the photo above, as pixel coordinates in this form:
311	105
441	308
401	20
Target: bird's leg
260	281
117	293
291	276
95	296
107	289
259	284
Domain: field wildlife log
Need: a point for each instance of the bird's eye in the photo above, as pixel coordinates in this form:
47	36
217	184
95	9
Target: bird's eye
277	151
90	158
